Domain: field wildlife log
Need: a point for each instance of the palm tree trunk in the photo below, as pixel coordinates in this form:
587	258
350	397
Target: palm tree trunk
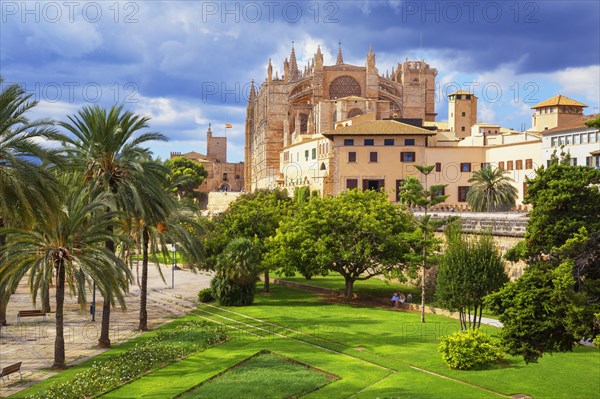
143	326
4	295
104	340
46	300
3	304
59	342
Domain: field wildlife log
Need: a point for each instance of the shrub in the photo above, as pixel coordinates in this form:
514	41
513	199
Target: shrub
231	294
166	347
206	295
466	349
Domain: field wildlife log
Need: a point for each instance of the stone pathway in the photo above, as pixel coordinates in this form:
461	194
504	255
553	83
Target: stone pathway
32	340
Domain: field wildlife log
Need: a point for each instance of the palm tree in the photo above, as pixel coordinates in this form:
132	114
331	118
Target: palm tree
108	148
69	240
240	262
491	191
26	188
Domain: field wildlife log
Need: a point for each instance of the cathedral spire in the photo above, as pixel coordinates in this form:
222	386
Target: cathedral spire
270	71
339	60
293	63
252	91
371	58
319	59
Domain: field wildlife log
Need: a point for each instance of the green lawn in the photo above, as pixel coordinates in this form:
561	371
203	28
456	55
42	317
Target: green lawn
266	375
376	352
374	287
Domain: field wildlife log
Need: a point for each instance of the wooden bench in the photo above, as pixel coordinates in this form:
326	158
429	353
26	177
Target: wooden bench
8	370
30	313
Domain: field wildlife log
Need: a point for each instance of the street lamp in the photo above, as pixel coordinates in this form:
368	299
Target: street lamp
93	305
174	265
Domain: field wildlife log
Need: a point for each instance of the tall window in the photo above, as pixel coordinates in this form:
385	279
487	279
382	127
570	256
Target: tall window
438	166
509	165
501	165
465	167
519	164
529	163
314	153
373	156
352	156
408	157
462	193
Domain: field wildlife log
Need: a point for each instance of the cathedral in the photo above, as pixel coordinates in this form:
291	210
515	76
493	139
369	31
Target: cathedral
308	101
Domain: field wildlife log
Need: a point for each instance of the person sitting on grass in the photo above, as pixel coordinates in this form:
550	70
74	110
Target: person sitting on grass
395	300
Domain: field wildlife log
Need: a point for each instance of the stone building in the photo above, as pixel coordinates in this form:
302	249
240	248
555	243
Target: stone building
308	101
222	175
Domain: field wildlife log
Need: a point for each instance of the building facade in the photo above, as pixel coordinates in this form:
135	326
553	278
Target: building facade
334	128
222	175
302	103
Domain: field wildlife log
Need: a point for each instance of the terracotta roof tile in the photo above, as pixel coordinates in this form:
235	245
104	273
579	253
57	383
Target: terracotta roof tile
559	100
461	92
379	128
572	125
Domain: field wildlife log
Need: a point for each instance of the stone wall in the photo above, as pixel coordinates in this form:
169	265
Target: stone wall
219	201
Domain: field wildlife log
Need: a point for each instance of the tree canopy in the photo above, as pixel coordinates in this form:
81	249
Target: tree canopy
491	191
357	234
470	269
552	306
185	175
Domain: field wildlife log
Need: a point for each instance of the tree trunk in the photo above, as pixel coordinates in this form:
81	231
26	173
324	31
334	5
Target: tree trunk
348	289
143	326
46	300
4	297
266	287
59	342
423	271
104	340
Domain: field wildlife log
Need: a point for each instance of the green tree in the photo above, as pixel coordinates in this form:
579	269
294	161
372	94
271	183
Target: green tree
237	272
552	306
69	240
356	234
491	191
27	189
107	147
254	216
185	175
414	194
470	269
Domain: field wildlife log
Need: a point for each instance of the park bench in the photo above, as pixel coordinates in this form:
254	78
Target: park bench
8	370
30	313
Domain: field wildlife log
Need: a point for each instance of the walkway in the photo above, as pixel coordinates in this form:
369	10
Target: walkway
32	340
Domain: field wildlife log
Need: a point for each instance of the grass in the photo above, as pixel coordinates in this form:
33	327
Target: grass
376	352
374	286
266	375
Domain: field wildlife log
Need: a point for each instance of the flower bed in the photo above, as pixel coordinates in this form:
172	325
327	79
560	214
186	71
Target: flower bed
164	348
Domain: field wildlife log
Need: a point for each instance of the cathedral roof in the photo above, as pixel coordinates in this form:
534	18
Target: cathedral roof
559	100
379	128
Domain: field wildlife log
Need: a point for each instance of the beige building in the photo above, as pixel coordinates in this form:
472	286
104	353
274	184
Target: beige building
222	175
332	137
303	102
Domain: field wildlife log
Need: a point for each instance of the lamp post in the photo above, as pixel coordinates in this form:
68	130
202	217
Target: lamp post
174	266
93	305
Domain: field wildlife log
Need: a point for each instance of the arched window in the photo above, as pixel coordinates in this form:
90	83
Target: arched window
344	86
354	112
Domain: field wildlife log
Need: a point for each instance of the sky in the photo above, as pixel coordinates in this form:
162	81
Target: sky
186	64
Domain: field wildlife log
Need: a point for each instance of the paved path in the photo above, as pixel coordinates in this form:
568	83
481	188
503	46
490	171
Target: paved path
32	340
